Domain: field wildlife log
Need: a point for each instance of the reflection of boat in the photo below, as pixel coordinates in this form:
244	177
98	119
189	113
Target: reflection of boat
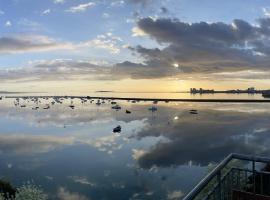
117	129
116	107
153	109
194	112
266	94
128	111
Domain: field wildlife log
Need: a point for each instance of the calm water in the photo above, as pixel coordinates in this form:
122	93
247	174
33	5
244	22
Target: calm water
73	154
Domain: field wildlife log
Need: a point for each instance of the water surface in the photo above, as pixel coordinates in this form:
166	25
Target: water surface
73	153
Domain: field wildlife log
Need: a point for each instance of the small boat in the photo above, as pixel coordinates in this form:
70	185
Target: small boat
98	103
266	94
155	102
72	106
23	106
46	107
133	101
194	112
35	108
128	111
117	129
113	102
116	107
153	109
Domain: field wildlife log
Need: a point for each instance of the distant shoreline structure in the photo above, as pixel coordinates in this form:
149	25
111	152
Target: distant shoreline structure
250	90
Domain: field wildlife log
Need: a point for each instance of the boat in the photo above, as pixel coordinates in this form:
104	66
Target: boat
194	112
46	107
116	107
266	94
153	109
128	111
117	129
72	106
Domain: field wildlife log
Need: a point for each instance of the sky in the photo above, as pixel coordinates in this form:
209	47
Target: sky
133	45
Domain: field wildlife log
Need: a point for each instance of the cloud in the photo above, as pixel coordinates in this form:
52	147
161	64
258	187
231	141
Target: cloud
26	43
266	11
8	23
59	1
137	32
2	12
107	42
56	70
46	12
202	48
81	7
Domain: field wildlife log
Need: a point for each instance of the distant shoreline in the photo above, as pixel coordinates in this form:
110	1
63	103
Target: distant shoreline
154	99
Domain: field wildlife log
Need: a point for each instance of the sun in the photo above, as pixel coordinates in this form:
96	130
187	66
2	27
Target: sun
176	65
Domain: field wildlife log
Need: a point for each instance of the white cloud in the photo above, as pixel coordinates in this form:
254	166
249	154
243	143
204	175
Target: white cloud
117	3
266	11
137	32
107	42
8	23
45	12
2	12
137	153
80	7
59	1
105	15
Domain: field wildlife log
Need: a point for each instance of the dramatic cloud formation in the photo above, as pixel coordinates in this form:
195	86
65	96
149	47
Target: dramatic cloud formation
205	47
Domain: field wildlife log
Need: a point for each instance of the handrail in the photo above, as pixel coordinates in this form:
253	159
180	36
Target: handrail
200	186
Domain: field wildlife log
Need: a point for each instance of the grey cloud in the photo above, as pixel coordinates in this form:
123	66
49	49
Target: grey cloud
204	47
24	43
57	70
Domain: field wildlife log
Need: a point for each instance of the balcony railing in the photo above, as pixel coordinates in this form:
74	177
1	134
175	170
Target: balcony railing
235	175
